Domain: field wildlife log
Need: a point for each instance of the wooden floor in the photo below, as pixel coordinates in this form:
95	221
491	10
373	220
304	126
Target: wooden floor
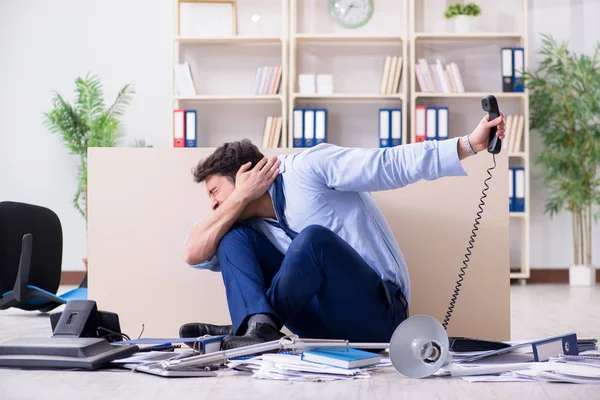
537	311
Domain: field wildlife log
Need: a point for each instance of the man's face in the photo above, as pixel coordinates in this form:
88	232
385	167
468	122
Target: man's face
218	188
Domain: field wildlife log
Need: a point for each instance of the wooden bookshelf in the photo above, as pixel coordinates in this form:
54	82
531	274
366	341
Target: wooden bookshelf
304	39
224	68
355	57
429	38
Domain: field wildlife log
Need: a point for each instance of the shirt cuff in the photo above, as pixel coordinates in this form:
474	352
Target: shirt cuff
449	161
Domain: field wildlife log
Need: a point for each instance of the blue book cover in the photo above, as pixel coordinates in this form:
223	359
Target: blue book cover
342	357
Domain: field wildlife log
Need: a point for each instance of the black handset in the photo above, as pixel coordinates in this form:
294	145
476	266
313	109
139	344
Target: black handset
490	104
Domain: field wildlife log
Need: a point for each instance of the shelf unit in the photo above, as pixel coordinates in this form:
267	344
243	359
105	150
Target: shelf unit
212	58
428	37
309	41
355	57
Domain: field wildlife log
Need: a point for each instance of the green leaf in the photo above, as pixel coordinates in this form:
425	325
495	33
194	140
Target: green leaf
87	123
564	105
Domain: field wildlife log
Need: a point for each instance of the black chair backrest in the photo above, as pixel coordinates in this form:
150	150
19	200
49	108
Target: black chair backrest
18	219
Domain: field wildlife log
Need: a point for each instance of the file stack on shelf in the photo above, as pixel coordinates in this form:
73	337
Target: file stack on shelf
309	127
516	189
438	78
390	127
514	133
184	81
391	74
431	123
513	61
184	128
272	131
268	80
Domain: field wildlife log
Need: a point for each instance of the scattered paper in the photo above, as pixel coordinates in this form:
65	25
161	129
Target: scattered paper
292	367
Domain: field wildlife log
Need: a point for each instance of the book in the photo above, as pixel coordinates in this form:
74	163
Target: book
342	357
391	75
437	77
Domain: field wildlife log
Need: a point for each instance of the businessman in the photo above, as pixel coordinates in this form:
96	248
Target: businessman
301	243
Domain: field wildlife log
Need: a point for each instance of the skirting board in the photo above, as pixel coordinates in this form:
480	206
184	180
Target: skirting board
71	278
552	276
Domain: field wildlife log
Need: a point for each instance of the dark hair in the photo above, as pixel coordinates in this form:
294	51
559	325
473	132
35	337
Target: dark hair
227	159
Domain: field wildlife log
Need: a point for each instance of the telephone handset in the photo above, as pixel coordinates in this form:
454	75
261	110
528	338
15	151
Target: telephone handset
489	104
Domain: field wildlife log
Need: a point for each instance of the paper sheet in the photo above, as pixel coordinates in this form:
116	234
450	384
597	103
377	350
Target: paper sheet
292	367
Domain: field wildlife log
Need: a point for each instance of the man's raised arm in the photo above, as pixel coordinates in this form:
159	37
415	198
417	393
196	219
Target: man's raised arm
369	170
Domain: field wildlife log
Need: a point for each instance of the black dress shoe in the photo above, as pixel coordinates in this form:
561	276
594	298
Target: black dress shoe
256	333
198	329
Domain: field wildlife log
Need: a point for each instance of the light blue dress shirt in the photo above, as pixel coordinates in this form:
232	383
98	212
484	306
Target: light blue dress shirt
329	185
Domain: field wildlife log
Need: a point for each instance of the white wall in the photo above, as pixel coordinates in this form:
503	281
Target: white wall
45	45
577	22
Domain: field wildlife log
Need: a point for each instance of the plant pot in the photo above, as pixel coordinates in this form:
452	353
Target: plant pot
582	275
463	24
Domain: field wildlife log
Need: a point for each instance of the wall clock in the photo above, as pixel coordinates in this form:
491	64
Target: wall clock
351	13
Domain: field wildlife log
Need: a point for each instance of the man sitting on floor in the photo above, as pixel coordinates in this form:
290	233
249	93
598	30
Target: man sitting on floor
301	243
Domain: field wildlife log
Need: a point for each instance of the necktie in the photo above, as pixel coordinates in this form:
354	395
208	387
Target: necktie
279	201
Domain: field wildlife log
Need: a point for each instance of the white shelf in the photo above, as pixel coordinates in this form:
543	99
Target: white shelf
228	40
480	48
224	68
519	154
350	96
469	95
467	36
303	37
231	98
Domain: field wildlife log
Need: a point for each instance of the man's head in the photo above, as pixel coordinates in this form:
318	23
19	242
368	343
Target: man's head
220	168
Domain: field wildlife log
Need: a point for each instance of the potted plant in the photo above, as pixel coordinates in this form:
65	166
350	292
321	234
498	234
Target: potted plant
463	15
565	110
87	123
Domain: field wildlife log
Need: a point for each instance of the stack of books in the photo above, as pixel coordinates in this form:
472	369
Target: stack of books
390	78
268	80
272	132
438	78
515	125
184	80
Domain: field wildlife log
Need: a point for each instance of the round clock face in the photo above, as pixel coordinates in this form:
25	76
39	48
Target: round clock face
351	13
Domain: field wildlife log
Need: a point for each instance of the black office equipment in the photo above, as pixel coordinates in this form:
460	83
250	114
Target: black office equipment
31	246
79	341
61	353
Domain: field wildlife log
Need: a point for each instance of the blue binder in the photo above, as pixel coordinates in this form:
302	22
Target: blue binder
431	124
320	125
519	189
395	127
442	129
385	122
542	348
507	69
511	189
191	129
309	128
298	128
518	67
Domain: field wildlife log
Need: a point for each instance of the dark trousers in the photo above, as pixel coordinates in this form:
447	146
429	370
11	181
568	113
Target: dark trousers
322	288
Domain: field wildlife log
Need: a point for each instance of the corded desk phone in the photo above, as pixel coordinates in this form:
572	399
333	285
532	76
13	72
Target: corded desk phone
420	346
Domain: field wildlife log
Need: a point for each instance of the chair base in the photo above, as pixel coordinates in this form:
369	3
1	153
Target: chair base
35	298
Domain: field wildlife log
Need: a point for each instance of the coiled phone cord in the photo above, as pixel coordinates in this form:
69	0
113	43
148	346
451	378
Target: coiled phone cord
470	246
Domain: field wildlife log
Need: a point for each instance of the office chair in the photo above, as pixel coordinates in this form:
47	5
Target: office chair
31	246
